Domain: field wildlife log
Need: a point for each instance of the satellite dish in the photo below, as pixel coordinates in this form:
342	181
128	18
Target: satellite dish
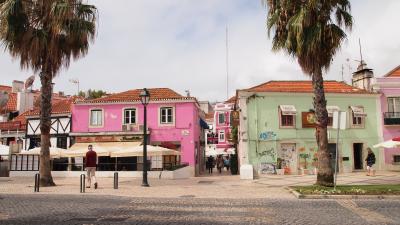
29	81
3	98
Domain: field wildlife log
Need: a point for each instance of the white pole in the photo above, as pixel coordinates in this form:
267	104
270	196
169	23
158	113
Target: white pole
337	155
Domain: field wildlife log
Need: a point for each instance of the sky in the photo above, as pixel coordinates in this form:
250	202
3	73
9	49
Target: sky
181	44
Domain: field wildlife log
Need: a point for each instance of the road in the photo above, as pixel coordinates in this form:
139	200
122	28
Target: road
101	209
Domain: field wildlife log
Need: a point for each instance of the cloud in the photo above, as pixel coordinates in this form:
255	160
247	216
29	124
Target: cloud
181	45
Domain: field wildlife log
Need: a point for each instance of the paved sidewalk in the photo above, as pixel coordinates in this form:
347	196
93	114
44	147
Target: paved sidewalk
217	186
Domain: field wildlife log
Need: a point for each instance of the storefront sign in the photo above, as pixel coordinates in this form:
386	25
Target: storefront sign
308	119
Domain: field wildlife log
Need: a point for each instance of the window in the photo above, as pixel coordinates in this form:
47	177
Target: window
287	115
393	104
129	116
396	159
166	115
330	121
62	142
221	118
96	117
221	136
287	121
357	116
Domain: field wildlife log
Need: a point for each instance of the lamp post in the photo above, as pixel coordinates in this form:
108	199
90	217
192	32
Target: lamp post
145	98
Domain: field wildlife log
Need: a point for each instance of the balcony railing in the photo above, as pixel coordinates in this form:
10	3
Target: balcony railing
391	118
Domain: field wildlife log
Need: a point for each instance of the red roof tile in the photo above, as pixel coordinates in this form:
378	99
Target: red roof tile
394	72
11	126
11	103
231	100
306	87
209	115
133	95
7	89
58	107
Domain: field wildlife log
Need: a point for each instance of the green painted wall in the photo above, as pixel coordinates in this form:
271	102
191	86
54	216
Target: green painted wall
263	116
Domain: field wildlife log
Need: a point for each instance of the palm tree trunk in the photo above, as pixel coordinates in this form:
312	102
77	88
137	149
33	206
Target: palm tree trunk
45	122
325	171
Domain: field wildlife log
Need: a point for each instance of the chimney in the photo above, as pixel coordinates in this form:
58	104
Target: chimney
25	101
362	78
17	86
61	93
187	93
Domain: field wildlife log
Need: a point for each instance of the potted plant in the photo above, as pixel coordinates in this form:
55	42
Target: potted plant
304	169
279	169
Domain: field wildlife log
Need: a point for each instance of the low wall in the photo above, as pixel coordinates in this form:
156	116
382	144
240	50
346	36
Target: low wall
181	173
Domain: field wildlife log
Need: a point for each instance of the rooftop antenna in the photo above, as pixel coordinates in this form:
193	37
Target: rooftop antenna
227	64
359	43
75	81
342	73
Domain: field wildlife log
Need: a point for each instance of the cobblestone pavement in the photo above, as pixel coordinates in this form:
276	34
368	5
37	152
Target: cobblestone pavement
102	209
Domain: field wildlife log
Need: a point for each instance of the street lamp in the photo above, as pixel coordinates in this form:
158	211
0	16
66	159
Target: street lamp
145	98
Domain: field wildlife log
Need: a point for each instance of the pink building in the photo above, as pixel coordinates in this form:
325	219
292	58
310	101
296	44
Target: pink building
389	86
173	122
219	136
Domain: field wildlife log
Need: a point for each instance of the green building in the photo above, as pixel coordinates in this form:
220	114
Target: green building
277	130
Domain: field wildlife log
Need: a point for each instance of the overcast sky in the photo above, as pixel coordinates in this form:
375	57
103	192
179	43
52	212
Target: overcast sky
180	44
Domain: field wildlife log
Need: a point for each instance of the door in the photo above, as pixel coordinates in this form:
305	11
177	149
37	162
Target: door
357	153
287	154
332	153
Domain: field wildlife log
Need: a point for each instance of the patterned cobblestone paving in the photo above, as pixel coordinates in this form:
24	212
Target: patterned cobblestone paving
102	209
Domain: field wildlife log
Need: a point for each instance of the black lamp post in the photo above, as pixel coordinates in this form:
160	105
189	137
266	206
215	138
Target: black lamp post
145	98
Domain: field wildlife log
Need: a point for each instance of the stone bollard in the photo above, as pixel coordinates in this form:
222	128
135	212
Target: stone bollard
82	183
116	180
37	182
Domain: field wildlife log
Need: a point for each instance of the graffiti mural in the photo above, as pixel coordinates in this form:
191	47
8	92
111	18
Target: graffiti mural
268	154
287	154
267	135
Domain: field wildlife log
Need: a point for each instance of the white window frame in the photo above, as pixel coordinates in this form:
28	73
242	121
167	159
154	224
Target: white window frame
352	117
221	132
160	123
280	120
90	118
123	115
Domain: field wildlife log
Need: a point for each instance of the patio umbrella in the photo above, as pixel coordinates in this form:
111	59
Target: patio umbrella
4	151
395	142
54	152
138	151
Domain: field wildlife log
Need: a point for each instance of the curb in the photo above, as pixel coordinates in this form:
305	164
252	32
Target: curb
298	195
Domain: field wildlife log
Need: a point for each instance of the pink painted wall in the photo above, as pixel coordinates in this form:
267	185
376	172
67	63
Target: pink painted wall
392	131
185	130
226	126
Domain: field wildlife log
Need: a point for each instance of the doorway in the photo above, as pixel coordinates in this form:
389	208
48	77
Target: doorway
357	153
332	154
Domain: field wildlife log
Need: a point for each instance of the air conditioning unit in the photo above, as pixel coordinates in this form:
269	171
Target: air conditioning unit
128	127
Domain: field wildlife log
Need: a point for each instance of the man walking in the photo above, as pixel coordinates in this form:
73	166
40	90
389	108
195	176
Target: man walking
91	162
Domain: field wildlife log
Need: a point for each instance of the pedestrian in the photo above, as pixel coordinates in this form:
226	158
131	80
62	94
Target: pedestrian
91	163
227	163
220	163
370	162
210	164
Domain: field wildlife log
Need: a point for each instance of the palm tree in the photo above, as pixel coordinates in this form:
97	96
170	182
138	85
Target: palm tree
45	35
311	31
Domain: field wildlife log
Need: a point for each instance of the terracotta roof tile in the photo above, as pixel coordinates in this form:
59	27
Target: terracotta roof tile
11	103
12	126
133	95
306	87
394	72
7	89
58	107
209	115
231	100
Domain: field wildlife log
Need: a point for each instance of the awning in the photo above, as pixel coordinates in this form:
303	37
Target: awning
54	152
138	151
358	111
203	124
101	148
331	109
288	109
